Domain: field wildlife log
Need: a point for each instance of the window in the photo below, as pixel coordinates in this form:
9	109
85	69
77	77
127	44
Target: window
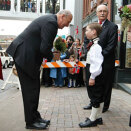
129	1
91	4
49	6
5	5
27	5
63	4
95	1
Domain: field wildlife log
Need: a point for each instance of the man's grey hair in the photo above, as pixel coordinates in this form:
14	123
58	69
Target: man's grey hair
100	6
65	12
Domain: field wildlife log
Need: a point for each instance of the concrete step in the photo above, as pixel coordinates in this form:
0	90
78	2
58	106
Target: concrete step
125	87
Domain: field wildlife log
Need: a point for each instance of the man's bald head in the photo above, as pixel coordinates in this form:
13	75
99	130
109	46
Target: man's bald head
101	6
64	18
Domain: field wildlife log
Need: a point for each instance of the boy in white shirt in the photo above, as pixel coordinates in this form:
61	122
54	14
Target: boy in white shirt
94	76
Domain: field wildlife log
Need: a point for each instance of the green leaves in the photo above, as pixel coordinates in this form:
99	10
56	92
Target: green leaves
125	12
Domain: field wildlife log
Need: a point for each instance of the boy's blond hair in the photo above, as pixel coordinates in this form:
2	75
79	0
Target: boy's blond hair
95	26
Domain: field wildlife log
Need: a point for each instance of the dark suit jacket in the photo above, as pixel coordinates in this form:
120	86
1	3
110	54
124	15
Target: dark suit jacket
34	43
108	41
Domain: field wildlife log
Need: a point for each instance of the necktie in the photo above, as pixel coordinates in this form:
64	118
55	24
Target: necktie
100	22
89	45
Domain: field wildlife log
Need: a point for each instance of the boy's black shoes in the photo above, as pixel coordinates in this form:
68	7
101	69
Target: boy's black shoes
36	125
47	122
99	121
88	123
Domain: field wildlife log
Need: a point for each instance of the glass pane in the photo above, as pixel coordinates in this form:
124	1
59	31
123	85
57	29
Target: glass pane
129	1
63	4
28	5
49	6
33	6
40	6
5	5
117	20
15	4
57	8
128	54
117	5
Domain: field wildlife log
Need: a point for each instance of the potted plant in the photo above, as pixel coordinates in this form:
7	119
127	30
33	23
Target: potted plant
59	47
125	15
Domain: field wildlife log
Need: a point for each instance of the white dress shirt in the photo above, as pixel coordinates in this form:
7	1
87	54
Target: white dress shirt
95	59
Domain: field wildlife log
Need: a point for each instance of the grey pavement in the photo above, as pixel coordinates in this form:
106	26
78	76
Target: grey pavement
63	106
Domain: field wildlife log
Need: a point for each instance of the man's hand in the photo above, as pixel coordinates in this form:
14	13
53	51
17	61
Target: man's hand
91	82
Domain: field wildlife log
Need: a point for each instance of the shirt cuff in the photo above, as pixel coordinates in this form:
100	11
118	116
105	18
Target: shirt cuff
92	77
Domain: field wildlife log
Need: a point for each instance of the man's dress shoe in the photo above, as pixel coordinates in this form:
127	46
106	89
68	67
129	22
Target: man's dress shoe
88	123
36	125
98	121
43	121
88	107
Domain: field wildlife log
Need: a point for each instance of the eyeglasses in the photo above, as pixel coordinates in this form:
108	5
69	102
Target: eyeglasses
70	39
104	11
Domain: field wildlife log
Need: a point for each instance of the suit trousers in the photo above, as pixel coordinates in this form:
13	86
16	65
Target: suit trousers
30	91
108	84
96	92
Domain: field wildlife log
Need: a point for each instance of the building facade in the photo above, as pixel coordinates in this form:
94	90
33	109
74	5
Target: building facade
89	12
31	9
123	50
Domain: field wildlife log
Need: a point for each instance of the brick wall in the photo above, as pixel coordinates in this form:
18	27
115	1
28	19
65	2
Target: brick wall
89	6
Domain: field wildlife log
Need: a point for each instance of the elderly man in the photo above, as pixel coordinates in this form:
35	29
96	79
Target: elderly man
28	50
108	41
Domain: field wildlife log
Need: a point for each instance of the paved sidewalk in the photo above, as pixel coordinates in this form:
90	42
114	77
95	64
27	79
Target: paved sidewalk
63	106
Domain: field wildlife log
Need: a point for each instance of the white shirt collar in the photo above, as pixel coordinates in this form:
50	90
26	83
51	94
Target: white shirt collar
96	39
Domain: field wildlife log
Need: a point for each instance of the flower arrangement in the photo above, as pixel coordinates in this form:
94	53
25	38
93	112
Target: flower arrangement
125	14
60	45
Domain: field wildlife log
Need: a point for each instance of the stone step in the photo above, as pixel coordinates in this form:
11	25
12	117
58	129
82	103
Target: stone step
124	86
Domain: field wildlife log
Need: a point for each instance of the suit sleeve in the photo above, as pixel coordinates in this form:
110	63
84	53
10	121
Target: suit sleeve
112	41
48	34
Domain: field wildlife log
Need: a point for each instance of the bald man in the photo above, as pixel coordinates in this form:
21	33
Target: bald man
28	50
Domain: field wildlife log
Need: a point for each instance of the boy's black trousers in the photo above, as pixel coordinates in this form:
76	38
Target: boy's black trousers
96	92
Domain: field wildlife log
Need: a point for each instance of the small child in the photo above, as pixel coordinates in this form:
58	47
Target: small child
94	76
72	73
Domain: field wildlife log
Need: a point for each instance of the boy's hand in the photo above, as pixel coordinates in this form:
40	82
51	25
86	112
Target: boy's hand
91	82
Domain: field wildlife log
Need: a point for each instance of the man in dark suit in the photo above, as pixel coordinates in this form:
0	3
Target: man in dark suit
28	51
108	41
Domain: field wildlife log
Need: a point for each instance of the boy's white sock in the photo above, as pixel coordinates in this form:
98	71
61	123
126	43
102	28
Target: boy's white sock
99	115
94	113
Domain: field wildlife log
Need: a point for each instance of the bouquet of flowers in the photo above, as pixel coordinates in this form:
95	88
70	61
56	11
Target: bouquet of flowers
60	45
